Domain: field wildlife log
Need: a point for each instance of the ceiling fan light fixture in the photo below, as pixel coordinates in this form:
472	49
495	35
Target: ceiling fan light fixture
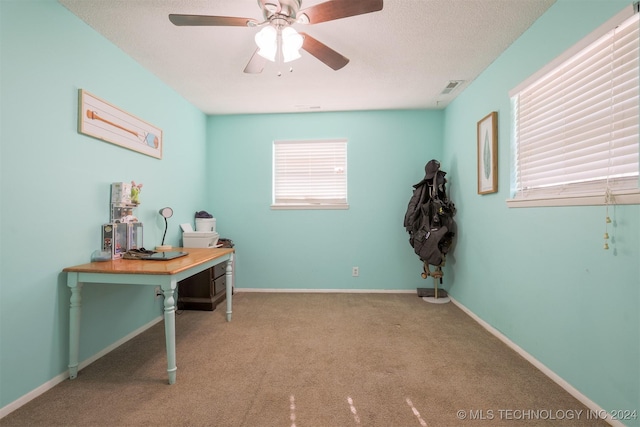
267	41
277	42
291	44
288	40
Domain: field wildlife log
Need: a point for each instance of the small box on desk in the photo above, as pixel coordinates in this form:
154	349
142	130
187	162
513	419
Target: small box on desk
121	192
114	239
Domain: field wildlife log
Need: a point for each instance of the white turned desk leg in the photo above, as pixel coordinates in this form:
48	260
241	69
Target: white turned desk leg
74	322
229	280
170	331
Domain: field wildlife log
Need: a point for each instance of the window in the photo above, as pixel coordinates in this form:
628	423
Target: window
310	174
576	123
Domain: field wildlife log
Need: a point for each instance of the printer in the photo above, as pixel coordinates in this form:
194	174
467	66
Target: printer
205	235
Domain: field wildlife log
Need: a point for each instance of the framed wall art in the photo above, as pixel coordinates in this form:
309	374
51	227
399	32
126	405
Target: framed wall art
101	120
488	154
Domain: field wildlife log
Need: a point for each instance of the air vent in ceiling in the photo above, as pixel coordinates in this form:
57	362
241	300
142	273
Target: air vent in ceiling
453	84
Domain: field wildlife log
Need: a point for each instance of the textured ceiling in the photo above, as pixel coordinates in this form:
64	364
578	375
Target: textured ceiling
400	58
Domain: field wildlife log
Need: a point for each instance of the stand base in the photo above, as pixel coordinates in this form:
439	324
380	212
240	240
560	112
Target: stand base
163	248
429	295
439	300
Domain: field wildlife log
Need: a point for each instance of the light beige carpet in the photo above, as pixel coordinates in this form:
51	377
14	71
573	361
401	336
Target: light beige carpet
290	359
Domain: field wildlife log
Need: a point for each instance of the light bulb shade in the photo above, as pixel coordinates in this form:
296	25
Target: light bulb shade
267	41
288	40
291	44
166	212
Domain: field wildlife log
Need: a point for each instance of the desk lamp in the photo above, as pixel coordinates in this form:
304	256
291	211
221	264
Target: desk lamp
166	213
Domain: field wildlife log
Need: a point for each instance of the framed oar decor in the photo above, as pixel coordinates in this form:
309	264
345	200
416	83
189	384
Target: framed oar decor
101	120
488	154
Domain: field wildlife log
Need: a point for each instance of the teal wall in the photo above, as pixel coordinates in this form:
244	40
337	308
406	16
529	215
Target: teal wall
540	275
316	249
55	186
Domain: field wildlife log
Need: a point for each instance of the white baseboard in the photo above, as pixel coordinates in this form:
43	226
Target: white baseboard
595	408
63	376
327	291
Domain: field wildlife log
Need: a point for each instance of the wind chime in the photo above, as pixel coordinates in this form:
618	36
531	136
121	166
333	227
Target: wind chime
607	220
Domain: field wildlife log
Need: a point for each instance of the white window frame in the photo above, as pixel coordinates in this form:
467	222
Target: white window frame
617	184
309	174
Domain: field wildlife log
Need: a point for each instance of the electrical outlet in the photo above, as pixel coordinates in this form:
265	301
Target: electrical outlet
355	271
158	292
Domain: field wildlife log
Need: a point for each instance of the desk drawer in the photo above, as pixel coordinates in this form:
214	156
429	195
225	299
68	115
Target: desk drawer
220	285
219	270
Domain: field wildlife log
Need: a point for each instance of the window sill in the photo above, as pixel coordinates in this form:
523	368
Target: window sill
627	198
307	207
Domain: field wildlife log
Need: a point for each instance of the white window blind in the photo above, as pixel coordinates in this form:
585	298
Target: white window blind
310	174
576	126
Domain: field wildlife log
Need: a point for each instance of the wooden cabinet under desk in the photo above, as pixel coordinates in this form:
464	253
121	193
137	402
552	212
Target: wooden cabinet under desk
204	290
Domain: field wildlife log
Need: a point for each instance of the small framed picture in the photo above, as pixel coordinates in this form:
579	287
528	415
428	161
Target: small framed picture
488	154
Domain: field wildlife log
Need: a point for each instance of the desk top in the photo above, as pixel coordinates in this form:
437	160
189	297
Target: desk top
195	257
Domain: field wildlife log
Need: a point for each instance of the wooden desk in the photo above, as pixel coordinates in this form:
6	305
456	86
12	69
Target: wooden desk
165	274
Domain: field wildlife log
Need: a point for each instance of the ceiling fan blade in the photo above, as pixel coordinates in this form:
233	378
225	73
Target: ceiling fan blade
323	52
205	20
336	9
256	64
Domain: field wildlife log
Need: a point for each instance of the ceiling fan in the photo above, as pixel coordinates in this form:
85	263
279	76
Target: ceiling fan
278	41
